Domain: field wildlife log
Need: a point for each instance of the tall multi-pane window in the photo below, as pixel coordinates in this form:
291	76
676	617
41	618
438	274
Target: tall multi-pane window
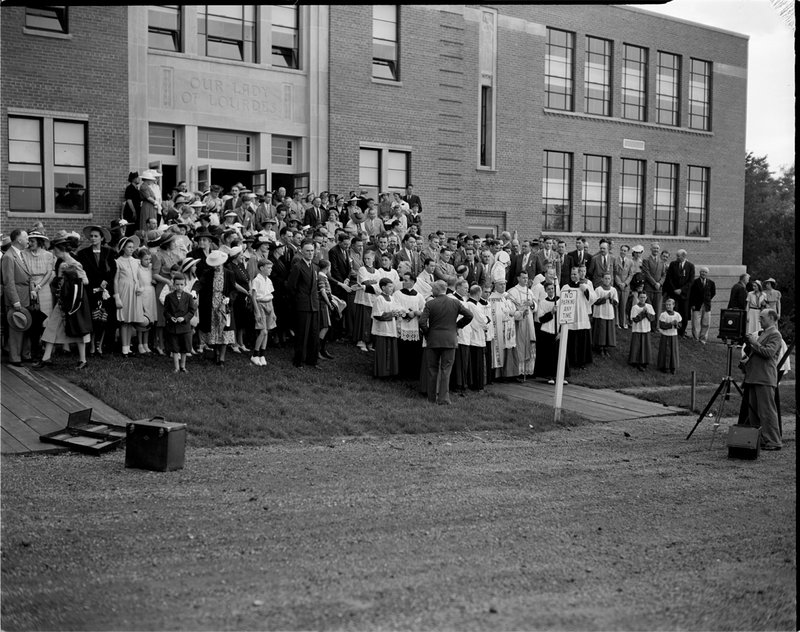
383	169
668	89
595	193
221	145
557	190
283	150
163	140
229	31
25	164
697	201
369	171
285	36
558	69
665	202
396	171
69	166
597	77
634	83
164	27
700	94
385	42
487	127
631	196
51	19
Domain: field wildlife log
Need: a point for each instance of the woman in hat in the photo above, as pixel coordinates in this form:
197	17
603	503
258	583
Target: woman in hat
40	264
99	262
133	200
165	254
281	299
260	253
70	321
213	203
128	292
216	288
755	303
150	192
772	297
242	314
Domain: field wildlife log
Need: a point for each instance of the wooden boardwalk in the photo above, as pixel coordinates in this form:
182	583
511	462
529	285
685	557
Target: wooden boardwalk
37	402
594	404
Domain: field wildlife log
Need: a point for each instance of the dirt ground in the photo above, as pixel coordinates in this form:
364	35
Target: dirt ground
581	529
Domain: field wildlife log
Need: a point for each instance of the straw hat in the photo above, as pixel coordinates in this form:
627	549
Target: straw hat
35	234
101	229
133	238
216	258
20	320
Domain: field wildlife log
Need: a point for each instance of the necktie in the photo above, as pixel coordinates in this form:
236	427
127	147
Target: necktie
525	262
605	264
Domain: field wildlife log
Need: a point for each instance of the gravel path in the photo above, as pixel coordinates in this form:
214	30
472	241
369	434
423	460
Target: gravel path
623	526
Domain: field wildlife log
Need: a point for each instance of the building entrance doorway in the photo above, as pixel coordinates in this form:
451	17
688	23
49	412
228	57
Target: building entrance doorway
226	178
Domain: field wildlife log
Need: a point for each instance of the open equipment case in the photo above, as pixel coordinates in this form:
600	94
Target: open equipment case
84	435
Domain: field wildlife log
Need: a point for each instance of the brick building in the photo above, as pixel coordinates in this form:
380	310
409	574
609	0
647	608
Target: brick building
598	120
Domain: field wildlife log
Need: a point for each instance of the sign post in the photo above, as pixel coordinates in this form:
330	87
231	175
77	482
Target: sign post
566	316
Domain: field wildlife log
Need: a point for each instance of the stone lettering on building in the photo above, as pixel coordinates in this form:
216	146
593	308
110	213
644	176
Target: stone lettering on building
217	94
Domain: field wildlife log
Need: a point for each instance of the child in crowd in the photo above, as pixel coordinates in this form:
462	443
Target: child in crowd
641	315
148	299
326	308
604	332
179	307
385	313
262	291
668	323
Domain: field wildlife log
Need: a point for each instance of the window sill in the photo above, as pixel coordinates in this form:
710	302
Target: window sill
486	169
624	121
630	236
47	214
50	34
387	82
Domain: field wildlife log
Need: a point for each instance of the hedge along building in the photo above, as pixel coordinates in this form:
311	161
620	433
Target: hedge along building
600	120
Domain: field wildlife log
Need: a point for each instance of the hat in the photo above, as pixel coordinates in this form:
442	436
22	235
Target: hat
189	263
216	258
771	280
197	204
638	248
125	240
271	220
166	237
150	174
204	217
234	252
274	245
118	223
358	216
231	214
179	200
5	242
152	237
62	236
101	229
355	198
204	232
35	234
20	320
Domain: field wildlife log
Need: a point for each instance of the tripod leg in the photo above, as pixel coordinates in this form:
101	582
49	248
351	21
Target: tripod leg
709	405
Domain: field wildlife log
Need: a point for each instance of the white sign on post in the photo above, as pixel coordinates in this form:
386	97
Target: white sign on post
566	316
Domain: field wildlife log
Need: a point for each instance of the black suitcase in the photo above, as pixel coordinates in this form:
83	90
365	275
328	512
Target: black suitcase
744	442
155	444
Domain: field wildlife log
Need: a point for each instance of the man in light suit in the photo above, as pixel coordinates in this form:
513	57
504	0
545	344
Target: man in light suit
303	285
654	270
17	292
758	408
543	257
622	281
440	323
602	263
680	275
701	293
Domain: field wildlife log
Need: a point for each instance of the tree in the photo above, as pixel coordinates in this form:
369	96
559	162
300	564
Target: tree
769	233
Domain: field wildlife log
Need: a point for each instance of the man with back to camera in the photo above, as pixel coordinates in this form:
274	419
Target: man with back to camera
762	352
738	297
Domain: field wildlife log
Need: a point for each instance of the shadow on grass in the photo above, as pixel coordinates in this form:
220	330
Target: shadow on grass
242	404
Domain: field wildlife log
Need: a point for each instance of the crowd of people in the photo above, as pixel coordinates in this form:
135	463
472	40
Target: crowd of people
204	273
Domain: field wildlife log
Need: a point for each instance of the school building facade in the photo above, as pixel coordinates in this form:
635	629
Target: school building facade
593	120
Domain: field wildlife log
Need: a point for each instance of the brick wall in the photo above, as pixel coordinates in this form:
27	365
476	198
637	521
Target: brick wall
85	74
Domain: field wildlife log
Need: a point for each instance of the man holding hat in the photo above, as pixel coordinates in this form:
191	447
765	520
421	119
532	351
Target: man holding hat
100	265
17	294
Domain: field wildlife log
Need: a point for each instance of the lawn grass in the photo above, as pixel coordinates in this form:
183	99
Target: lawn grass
241	404
681	396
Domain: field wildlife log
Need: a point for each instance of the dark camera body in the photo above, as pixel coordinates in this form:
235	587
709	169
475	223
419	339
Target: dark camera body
733	325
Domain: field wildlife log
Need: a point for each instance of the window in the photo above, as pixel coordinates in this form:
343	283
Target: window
486	158
220	145
282	150
52	19
595	193
285	36
164	27
47	154
634	83
383	169
385	54
556	191
597	77
666	198
697	202
163	140
558	69
668	89
229	31
631	196
700	94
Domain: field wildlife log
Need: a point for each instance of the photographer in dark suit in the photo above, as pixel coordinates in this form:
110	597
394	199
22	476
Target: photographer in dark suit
440	323
701	293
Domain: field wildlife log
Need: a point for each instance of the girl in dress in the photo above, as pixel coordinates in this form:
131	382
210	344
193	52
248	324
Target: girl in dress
368	278
604	331
668	323
772	297
385	313
642	314
216	287
40	263
128	291
325	307
148	298
70	320
755	303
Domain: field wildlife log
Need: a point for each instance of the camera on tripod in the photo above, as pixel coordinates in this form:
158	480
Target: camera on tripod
733	326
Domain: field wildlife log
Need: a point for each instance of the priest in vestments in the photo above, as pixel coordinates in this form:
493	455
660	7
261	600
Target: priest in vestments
521	359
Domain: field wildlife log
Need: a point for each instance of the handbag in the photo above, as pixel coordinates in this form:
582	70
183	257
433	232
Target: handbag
100	314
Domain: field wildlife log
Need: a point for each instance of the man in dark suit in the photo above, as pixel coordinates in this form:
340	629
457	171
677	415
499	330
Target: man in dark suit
680	275
561	261
762	351
408	254
341	270
476	272
100	265
315	215
525	261
701	293
17	293
602	263
440	323
303	286
578	257
654	269
411	198
738	298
